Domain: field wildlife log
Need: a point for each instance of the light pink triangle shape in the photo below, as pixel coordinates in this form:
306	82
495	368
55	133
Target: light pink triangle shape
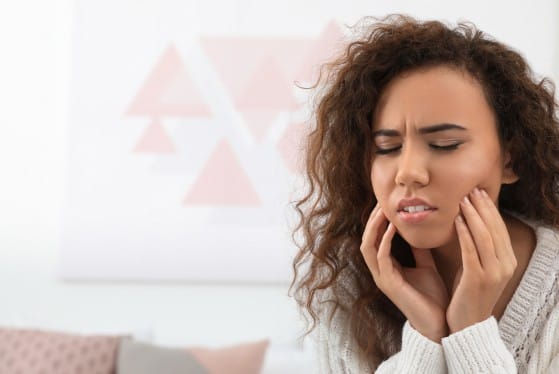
168	91
291	146
236	59
259	121
182	99
267	90
322	50
222	181
154	140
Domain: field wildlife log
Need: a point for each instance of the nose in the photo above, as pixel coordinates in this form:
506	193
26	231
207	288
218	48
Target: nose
412	168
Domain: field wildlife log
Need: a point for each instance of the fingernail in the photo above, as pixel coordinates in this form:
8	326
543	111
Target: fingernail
476	192
465	200
459	219
484	194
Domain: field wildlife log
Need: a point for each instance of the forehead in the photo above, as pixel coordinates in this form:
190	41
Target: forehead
432	95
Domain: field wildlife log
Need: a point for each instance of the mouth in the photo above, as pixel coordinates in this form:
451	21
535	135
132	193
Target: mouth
415	216
414	210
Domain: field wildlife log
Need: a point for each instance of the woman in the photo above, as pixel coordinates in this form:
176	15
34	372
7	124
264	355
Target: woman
430	226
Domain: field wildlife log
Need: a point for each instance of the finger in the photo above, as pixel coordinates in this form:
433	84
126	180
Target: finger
495	224
470	259
370	239
384	254
491	222
373	230
481	237
376	208
371	216
487	210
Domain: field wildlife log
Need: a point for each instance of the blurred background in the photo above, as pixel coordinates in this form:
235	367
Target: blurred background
149	151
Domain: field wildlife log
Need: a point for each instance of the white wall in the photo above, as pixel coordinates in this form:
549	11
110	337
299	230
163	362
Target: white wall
34	80
35	71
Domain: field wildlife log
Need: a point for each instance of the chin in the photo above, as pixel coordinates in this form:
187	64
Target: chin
427	238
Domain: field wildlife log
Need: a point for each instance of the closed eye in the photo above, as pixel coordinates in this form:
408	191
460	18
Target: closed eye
384	151
449	147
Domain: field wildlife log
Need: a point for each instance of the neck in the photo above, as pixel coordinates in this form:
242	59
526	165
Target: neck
448	259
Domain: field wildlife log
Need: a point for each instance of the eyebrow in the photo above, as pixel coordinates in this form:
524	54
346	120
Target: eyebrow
424	130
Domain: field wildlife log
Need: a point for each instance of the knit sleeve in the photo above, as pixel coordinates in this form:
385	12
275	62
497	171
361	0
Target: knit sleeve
545	356
336	351
478	349
418	355
337	354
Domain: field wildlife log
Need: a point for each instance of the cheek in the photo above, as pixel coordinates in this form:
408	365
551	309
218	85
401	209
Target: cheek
381	181
462	177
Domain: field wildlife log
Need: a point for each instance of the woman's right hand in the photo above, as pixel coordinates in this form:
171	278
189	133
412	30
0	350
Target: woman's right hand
418	292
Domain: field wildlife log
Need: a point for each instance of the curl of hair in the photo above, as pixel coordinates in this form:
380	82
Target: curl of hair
329	267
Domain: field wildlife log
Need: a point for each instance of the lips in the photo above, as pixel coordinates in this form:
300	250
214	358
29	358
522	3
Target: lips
414	210
413	202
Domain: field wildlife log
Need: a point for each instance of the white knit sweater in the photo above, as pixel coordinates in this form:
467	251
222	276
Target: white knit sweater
525	340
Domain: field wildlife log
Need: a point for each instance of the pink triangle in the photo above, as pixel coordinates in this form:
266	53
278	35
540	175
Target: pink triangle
291	146
168	90
182	99
222	181
154	140
323	50
236	59
258	121
267	90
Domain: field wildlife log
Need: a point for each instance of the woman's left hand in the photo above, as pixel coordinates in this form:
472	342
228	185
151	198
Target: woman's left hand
488	262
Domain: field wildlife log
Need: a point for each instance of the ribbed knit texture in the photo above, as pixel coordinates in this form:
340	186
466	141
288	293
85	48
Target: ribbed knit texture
478	349
525	340
423	355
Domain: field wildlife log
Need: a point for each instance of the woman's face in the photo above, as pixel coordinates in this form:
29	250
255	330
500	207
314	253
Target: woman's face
435	139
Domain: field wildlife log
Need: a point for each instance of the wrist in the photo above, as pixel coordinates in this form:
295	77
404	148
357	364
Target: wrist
461	325
436	335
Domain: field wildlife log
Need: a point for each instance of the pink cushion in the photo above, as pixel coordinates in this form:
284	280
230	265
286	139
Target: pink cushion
43	352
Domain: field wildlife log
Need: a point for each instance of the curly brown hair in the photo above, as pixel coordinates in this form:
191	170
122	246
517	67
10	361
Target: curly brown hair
329	268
